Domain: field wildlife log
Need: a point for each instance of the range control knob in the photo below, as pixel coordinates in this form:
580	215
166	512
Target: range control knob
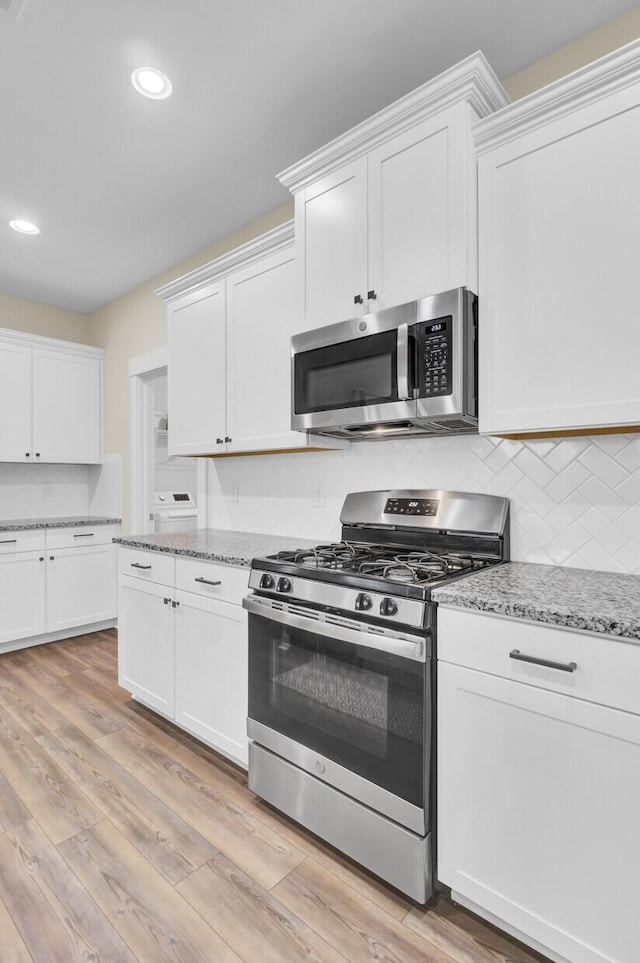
284	585
266	581
363	602
388	607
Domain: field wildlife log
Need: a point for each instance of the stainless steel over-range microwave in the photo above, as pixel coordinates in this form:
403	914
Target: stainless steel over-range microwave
408	370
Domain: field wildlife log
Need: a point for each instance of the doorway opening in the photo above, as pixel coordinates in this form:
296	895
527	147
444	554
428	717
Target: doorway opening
153	470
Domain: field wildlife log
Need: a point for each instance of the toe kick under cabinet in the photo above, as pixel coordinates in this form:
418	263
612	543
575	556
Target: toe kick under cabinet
182	644
539	783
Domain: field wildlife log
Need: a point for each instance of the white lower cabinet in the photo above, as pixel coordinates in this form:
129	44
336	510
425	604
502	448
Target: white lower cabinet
22	590
145	642
184	653
81	586
211	672
53	581
538	790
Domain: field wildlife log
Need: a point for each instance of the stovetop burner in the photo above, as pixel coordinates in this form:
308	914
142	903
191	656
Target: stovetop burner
382	562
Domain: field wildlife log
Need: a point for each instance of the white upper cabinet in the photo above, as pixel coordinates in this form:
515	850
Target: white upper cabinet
387	212
559	208
261	316
197	372
67	406
331	240
230	328
50	400
16	401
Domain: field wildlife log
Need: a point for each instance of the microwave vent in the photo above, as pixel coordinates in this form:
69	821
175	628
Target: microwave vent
455	425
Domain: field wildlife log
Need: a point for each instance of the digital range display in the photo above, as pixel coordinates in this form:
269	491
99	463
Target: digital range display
412	506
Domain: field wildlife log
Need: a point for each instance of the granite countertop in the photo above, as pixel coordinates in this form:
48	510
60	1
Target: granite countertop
573	598
216	544
69	521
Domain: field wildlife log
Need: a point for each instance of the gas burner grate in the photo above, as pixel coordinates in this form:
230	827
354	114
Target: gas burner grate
382	562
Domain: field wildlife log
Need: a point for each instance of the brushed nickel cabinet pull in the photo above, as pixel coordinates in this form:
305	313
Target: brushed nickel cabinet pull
562	666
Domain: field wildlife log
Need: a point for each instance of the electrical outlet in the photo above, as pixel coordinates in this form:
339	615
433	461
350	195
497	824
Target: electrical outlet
318	496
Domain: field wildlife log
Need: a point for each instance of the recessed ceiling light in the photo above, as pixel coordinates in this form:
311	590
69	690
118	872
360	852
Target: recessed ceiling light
151	83
24	227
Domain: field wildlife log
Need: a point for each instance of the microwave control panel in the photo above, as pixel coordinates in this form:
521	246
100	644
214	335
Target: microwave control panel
434	349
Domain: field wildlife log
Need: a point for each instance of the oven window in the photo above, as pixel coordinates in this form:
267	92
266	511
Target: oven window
347	375
362	708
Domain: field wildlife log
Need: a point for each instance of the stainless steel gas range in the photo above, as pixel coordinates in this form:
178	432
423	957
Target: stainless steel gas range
342	683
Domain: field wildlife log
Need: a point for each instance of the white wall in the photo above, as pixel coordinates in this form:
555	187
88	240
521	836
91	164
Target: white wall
574	501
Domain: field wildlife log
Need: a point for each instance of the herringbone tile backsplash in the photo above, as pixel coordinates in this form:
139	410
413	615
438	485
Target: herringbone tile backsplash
574	501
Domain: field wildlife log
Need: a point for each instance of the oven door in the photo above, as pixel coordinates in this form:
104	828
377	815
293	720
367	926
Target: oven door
345	704
353	374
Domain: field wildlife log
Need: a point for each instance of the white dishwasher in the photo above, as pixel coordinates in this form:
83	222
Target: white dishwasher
174	512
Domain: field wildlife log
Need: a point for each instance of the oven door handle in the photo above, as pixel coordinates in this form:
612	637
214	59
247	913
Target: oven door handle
407	646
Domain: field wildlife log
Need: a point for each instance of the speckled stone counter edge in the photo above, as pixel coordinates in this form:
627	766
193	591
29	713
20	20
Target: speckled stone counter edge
187	552
624	630
29	524
605	603
268	545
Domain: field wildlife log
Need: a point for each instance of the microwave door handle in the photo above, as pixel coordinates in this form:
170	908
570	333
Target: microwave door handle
403	363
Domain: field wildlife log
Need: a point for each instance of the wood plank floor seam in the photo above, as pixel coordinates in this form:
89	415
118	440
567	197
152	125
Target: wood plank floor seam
125	840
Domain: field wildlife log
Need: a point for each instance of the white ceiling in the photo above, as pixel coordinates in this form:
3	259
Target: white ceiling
124	187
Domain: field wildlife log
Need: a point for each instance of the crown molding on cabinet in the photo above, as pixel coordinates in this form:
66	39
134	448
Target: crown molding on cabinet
263	246
608	75
472	81
39	341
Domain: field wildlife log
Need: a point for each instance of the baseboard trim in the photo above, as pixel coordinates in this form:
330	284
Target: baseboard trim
15	644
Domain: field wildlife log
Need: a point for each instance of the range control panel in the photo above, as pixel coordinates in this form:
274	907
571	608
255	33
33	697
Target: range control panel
434	351
411	506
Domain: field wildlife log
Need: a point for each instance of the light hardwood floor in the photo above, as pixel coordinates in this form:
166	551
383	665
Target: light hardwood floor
123	839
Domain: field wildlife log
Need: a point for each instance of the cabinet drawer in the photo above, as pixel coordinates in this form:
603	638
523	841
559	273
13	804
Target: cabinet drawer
228	583
151	566
31	541
81	535
606	668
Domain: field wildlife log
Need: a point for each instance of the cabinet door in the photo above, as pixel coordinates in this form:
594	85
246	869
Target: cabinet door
261	320
331	240
421	227
145	642
81	586
67	407
22	590
15	402
559	208
211	674
197	372
538	801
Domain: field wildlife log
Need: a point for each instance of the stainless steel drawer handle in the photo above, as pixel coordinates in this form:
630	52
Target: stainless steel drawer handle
205	581
563	666
138	565
9	541
85	535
